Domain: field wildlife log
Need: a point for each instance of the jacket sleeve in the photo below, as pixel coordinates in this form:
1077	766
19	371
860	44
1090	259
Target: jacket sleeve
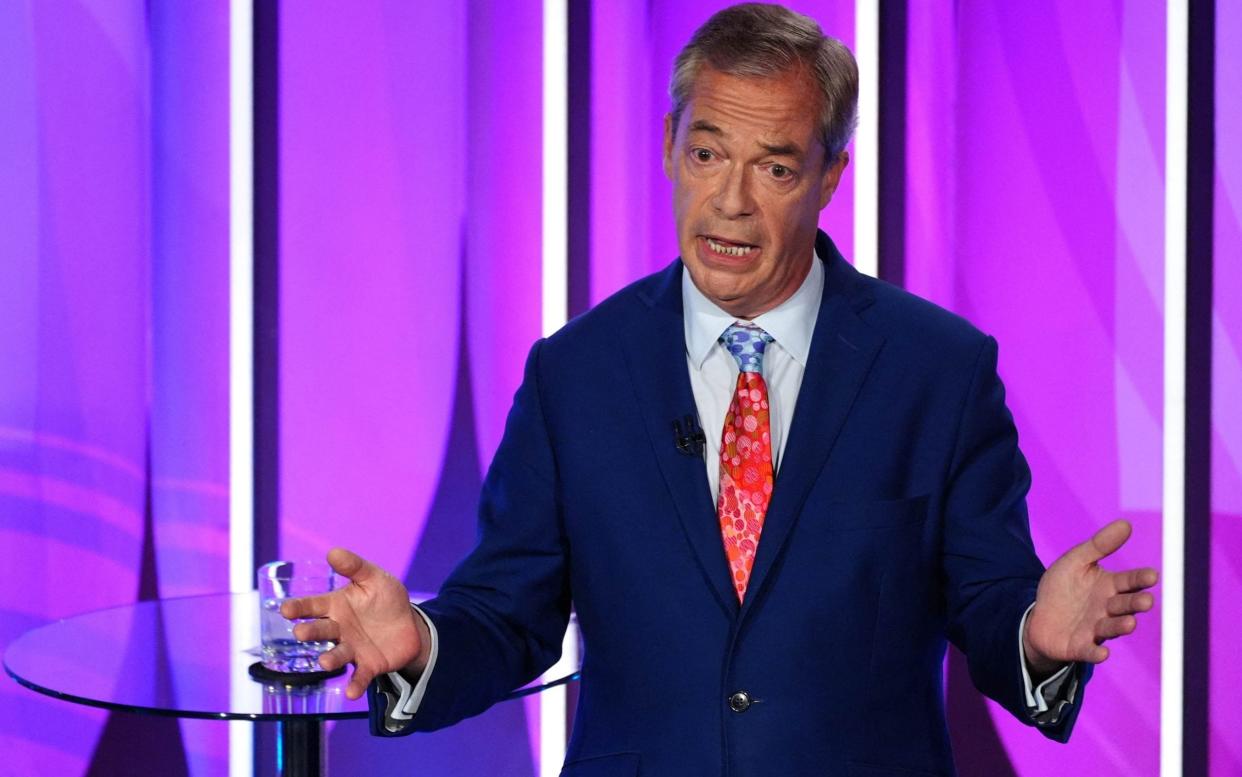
502	613
990	566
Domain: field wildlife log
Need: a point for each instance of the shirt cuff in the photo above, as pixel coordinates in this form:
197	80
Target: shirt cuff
410	696
1046	701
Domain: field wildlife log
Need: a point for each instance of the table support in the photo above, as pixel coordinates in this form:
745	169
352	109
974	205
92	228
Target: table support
302	749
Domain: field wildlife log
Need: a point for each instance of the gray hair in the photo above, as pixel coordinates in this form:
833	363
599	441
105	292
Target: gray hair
762	41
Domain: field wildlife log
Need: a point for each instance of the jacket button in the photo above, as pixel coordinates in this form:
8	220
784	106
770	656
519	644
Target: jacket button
740	701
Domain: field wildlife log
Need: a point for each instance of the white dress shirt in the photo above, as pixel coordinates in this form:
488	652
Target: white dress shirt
713	374
713	371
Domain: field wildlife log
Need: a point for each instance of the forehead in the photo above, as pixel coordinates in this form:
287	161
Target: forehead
784	107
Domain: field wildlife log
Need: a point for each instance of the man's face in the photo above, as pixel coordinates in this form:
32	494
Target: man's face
749	180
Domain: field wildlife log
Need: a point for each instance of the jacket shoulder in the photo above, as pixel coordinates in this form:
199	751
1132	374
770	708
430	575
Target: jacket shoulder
906	317
608	319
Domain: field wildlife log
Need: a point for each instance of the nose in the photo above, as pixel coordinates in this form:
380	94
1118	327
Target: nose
733	198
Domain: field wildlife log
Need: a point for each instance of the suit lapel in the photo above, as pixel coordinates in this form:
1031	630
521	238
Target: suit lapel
655	352
843	349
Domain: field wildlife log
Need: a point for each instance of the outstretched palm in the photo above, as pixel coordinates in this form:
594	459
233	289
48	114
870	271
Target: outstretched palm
1080	605
370	620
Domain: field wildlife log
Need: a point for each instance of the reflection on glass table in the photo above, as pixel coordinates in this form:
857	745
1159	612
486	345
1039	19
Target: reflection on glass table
187	658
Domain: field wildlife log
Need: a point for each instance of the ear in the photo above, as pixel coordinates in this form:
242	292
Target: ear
832	177
669	135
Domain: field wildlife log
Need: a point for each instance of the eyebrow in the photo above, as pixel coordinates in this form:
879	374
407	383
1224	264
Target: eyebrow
784	149
700	125
780	149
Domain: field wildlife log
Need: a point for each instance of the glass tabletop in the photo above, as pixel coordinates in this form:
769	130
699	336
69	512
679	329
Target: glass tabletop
187	657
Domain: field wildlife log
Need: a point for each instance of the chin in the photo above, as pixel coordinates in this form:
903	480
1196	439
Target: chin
729	298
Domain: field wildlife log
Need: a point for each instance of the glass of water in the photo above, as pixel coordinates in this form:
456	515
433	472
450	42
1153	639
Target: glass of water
280	580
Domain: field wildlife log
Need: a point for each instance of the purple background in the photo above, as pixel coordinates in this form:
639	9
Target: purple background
405	314
1226	631
410	292
113	287
1036	211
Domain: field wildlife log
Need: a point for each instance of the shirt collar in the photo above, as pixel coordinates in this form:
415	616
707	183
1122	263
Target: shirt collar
790	323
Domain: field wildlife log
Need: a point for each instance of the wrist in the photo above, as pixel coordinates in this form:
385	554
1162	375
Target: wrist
423	654
1040	665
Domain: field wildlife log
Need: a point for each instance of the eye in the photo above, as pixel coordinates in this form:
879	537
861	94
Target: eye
702	155
780	171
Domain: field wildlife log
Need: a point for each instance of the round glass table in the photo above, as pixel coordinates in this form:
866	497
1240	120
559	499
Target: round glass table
188	658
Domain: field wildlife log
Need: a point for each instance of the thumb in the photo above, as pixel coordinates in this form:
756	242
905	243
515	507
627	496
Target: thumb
1105	542
350	565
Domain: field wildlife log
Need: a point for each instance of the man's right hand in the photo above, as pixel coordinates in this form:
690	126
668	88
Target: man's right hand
370	619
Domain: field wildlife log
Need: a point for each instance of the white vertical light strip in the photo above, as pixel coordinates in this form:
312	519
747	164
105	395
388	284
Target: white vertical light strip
555	164
867	139
1174	486
555	306
241	297
241	348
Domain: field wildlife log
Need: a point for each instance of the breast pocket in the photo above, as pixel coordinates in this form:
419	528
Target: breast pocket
888	514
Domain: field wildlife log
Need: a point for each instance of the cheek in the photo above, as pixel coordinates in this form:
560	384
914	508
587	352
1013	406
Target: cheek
687	206
794	218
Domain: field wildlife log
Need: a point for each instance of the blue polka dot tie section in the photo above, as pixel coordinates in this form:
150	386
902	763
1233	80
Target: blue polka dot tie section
745	455
746	342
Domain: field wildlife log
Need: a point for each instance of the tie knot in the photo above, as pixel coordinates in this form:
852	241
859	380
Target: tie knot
746	342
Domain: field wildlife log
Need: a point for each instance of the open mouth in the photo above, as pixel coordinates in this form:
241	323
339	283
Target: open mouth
728	247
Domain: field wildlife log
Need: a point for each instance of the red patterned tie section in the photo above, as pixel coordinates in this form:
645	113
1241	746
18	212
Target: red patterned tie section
745	455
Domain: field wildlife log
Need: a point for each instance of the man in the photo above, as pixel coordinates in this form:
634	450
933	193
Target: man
779	603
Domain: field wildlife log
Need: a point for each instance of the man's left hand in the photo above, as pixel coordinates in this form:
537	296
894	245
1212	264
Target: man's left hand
1080	605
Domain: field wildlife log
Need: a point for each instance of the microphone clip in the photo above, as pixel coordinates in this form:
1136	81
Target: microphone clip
688	436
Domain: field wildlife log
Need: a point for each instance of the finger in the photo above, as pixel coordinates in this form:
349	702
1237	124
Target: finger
1136	579
1097	655
316	606
352	566
1111	628
1105	542
337	657
321	630
1128	604
358	682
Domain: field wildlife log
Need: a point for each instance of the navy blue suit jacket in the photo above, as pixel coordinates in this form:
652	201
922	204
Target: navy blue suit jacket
898	519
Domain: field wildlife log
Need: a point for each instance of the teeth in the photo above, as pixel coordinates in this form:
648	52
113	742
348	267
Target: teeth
721	248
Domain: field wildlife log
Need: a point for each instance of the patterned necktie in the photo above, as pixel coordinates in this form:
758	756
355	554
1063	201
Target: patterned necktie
745	455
